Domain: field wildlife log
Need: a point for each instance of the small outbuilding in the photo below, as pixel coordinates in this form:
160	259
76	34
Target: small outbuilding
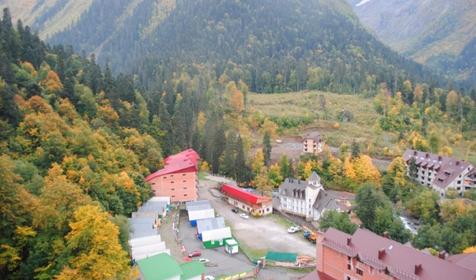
199	210
213	232
231	246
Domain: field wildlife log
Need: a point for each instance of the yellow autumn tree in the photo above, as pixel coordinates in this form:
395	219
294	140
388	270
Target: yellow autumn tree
365	170
263	183
348	169
204	167
237	101
397	169
94	241
257	163
52	82
470	250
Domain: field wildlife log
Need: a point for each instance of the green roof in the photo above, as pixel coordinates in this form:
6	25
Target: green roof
159	267
281	257
191	269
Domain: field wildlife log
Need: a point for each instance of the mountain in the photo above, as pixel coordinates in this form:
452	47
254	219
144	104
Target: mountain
273	45
439	33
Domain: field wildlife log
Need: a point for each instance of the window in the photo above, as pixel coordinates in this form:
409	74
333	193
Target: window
359	272
185	188
348	278
183	181
171	182
185	195
184	174
349	267
172	189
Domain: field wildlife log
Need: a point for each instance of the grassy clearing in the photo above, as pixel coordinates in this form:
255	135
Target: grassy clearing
306	105
252	253
281	220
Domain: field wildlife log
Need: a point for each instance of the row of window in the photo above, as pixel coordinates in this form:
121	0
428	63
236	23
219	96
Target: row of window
172	175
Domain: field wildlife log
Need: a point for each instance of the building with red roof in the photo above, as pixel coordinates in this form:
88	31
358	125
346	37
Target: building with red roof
368	256
249	202
179	177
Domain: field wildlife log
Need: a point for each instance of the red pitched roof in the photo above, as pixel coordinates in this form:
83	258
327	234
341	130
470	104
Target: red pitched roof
398	259
185	161
242	195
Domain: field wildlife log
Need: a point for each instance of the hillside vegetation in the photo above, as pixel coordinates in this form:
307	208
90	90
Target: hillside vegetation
273	46
346	118
438	33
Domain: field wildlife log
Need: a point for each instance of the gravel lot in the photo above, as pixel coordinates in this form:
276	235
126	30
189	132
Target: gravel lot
263	233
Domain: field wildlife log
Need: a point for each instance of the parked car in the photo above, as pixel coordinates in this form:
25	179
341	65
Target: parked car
244	216
203	260
195	253
294	229
209	277
234	210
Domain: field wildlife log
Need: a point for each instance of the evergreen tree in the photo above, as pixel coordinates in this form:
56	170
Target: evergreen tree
243	172
355	148
267	148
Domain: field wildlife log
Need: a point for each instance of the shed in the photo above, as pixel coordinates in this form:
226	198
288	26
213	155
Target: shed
200	211
213	232
231	246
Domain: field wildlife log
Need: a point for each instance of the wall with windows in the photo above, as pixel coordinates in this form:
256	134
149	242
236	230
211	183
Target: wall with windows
180	187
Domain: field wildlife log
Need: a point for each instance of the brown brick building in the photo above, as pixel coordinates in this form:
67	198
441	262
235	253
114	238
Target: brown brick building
367	256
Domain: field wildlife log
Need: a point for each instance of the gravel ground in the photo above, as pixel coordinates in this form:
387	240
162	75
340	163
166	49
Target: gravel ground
263	233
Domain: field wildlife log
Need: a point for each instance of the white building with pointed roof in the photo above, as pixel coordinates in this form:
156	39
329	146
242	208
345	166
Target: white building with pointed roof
309	199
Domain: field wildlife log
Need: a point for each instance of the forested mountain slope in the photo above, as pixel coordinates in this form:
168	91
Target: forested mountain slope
282	45
439	33
74	152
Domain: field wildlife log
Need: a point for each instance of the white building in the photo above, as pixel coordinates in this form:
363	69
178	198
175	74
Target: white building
309	199
297	197
441	173
198	210
213	232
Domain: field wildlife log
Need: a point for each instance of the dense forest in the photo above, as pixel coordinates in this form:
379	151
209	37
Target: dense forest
271	46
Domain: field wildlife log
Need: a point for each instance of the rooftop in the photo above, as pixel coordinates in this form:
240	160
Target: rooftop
448	168
195	203
204	204
159	267
243	195
401	261
184	161
210	224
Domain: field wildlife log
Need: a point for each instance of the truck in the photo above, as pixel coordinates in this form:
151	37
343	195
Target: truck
310	235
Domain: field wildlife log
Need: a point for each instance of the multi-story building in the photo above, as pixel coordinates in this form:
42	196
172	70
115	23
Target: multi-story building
254	204
312	145
309	199
441	173
178	179
367	256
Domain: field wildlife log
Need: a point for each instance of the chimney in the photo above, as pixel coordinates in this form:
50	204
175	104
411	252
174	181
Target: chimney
427	155
418	269
415	153
457	162
349	241
439	158
381	254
